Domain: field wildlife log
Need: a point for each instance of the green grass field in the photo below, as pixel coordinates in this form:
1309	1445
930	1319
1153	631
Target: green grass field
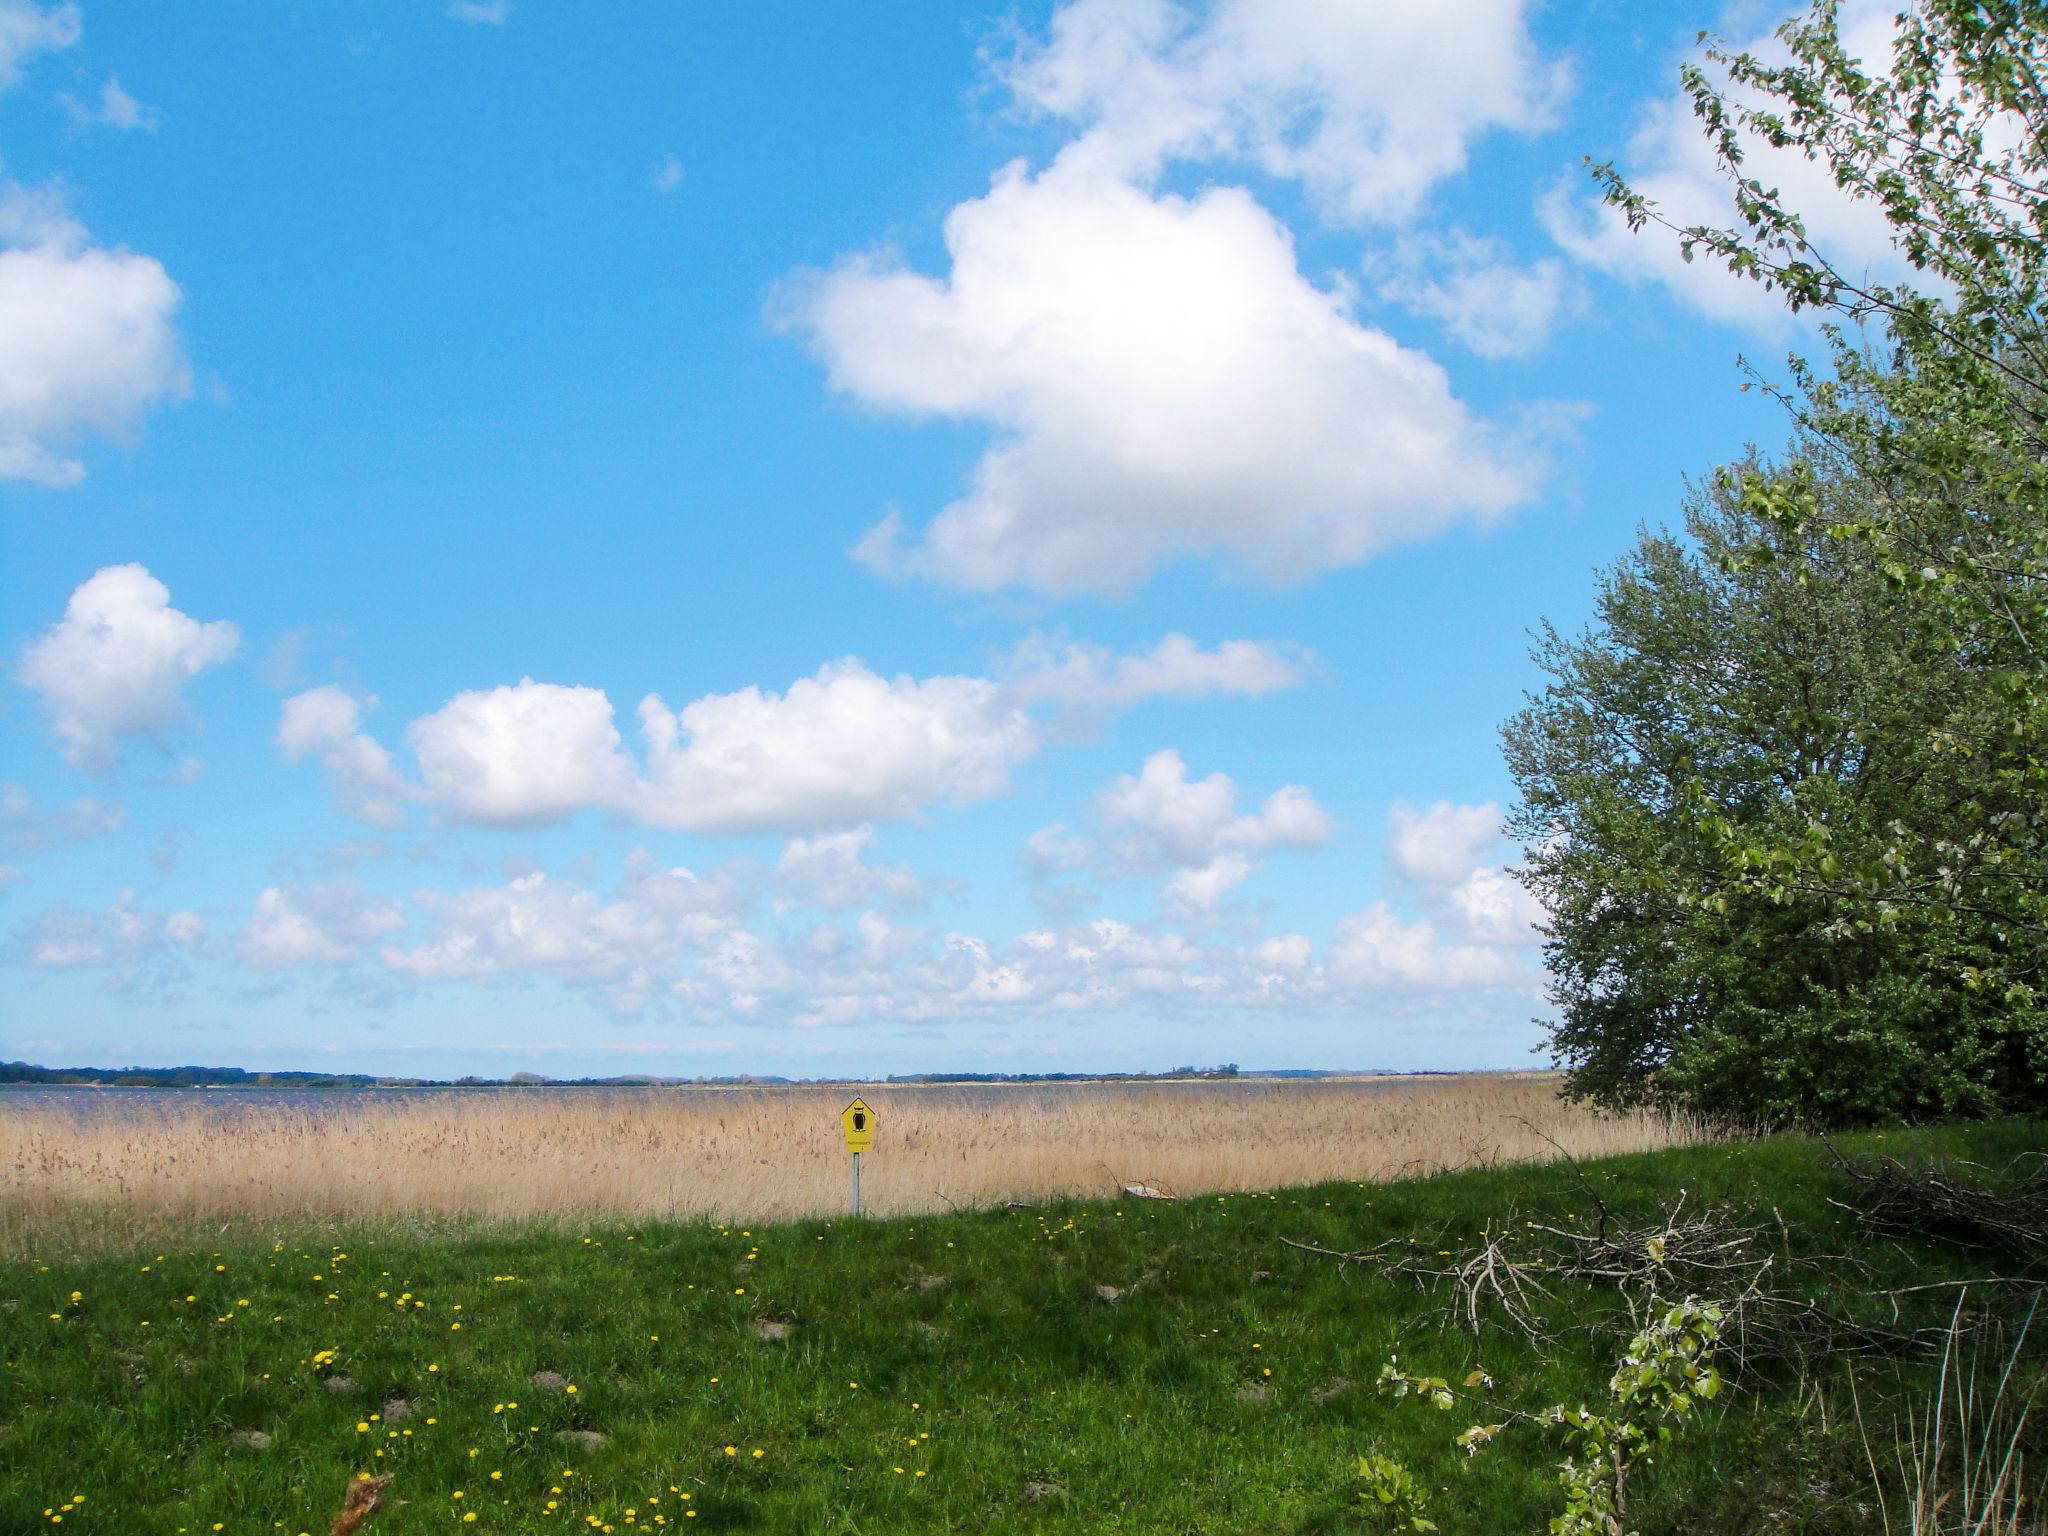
963	1373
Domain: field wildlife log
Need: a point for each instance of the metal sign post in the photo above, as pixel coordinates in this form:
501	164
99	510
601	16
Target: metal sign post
857	1125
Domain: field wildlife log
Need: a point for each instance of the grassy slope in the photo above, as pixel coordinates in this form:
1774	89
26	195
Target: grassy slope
1013	1371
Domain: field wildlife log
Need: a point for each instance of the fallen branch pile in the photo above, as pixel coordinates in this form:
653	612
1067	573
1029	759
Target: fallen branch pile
2006	1211
1513	1273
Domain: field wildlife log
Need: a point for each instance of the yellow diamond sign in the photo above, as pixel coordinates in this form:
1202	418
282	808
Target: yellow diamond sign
857	1124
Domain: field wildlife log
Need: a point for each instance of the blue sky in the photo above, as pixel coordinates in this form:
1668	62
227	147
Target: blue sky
812	539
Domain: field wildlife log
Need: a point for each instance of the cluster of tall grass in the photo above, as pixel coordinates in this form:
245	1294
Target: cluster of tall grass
159	1165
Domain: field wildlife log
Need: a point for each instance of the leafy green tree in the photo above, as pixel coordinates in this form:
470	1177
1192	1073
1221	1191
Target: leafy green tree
1715	787
1886	925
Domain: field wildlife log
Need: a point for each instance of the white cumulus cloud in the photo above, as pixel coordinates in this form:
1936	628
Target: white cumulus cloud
832	752
117	663
1369	104
523	755
835	749
1163	383
90	345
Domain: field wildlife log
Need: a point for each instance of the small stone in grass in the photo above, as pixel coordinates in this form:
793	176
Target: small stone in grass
584	1439
1109	1293
1337	1388
1037	1492
397	1411
921	1282
340	1386
254	1439
549	1381
771	1333
1253	1392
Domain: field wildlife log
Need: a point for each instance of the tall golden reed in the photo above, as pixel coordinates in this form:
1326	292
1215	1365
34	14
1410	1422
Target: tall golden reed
160	1165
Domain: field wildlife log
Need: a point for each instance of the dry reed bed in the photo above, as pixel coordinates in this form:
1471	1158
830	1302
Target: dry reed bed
157	1166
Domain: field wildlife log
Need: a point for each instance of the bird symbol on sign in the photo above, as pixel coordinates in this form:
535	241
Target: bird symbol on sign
857	1123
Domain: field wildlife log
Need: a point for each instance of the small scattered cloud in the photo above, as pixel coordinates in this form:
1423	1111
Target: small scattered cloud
676	943
1492	304
1437	847
115	666
1054	850
325	722
1159	822
1449	856
627	948
1088	676
833	872
1671	161
25	829
1378	948
666	176
115	108
139	948
480	13
314	925
27	29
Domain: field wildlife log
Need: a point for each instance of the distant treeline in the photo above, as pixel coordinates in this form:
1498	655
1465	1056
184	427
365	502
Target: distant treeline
236	1077
1228	1069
